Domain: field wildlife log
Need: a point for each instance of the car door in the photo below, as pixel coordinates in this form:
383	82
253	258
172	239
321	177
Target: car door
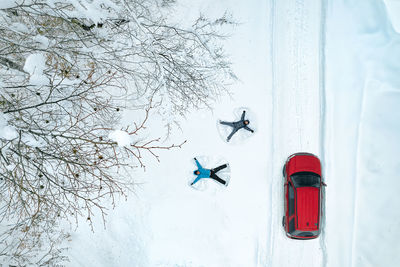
291	207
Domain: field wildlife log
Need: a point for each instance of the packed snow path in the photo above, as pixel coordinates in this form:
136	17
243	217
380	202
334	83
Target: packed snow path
297	34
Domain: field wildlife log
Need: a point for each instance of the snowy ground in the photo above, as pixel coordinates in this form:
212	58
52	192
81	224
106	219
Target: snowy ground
362	135
347	113
170	224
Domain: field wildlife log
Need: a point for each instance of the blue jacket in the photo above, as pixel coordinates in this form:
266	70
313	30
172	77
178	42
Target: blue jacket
204	173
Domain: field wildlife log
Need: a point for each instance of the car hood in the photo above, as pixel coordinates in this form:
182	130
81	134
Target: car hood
304	163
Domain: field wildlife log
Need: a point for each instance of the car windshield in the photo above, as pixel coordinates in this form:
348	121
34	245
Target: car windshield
303	179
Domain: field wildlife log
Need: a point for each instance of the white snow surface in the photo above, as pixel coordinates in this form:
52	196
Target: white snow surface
6	131
7	4
43	40
362	133
121	137
393	11
321	77
95	10
19	27
35	65
166	222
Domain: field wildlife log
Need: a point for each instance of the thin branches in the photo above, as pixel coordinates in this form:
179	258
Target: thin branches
67	76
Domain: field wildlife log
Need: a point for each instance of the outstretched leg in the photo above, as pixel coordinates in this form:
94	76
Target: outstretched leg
226	123
217	169
232	133
216	178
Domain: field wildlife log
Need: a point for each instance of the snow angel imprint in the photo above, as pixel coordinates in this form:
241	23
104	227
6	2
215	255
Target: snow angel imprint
219	173
240	127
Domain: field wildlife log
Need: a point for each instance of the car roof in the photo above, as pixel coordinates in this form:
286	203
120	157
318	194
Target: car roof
307	208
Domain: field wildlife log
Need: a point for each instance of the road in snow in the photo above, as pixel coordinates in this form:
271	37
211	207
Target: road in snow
297	78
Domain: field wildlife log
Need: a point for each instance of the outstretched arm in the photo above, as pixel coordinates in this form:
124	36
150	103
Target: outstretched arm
248	129
243	114
197	163
195	180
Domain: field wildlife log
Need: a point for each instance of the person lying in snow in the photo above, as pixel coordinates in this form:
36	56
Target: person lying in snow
237	125
208	173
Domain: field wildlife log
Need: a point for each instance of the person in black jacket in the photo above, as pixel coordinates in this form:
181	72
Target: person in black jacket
237	125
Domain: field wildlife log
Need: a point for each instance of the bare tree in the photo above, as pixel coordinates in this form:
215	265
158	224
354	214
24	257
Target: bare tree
68	69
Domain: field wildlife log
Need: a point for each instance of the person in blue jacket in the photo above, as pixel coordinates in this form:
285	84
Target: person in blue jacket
208	173
237	125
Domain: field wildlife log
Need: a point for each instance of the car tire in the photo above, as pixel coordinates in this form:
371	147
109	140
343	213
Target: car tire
284	171
283	221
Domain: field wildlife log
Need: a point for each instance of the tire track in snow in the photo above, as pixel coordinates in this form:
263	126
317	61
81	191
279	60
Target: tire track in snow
272	49
356	177
322	121
296	48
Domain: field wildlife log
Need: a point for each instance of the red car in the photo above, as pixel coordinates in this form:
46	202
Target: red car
303	196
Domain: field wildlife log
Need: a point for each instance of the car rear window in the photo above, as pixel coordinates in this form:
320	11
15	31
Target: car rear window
303	179
306	234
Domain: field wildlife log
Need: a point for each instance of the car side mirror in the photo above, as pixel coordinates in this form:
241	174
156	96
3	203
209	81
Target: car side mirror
324	184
